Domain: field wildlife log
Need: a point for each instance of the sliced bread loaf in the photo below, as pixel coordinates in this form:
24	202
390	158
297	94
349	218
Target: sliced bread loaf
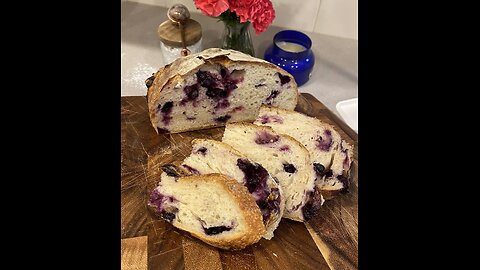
210	156
213	208
213	87
286	159
331	155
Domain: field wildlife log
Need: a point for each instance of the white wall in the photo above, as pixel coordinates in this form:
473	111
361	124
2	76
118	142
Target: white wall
331	17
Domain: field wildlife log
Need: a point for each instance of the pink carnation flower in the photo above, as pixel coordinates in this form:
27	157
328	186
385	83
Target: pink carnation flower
261	15
242	9
212	7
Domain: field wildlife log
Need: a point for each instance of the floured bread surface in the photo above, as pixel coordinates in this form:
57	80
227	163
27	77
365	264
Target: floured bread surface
286	159
215	87
210	156
331	155
213	207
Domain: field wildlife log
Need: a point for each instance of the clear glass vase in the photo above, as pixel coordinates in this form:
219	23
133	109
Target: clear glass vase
236	36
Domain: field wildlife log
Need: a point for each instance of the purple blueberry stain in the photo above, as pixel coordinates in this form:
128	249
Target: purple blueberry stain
264	119
255	177
229	86
166	110
289	168
191	94
313	204
205	78
202	150
345	182
327	173
216	230
220	87
284	148
223	119
325	143
222	104
167	107
191	169
168	216
264	137
216	93
271	204
170	170
272	96
283	79
157	200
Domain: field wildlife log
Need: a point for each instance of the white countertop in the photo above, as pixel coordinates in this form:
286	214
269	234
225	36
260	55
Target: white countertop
334	76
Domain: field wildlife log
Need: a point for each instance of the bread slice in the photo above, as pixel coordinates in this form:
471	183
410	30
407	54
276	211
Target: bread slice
212	207
213	87
286	159
331	155
210	156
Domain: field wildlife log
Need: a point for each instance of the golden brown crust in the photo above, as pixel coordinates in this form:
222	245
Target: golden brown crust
252	214
185	66
329	194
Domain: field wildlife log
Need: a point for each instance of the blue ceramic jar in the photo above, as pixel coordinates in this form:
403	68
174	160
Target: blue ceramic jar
291	50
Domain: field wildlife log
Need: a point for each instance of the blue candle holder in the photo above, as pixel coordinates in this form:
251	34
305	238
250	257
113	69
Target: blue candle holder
285	53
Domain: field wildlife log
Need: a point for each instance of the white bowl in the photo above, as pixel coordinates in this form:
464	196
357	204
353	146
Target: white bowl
348	110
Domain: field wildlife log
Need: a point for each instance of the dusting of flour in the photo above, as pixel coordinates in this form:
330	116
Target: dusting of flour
134	78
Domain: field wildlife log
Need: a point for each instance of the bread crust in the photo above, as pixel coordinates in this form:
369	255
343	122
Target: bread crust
247	204
329	194
185	66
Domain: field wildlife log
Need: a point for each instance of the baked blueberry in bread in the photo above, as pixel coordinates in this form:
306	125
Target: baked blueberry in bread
215	87
212	207
284	158
210	156
331	155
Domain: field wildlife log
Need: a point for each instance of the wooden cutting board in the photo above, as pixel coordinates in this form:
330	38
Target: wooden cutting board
328	241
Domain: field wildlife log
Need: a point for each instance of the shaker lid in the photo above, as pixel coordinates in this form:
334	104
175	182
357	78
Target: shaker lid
170	33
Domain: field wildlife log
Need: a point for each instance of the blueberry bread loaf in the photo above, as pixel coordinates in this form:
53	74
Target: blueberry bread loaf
210	156
213	87
331	155
283	157
213	208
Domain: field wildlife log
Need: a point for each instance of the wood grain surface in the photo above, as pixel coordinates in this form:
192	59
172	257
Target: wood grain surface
328	241
134	253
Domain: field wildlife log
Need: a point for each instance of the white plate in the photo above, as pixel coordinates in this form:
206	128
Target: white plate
348	110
